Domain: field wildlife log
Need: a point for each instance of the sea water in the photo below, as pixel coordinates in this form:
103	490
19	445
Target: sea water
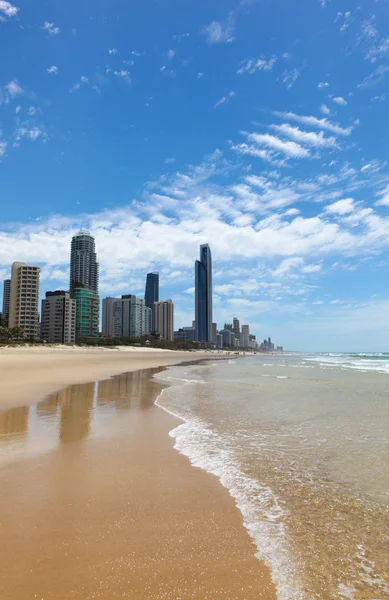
302	445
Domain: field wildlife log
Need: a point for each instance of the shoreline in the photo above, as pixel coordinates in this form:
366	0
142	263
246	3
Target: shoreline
204	550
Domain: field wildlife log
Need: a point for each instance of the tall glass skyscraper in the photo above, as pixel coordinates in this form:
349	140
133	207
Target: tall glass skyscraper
84	284
84	269
152	294
203	293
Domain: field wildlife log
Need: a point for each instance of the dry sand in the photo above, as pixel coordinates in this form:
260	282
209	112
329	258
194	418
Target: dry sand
95	503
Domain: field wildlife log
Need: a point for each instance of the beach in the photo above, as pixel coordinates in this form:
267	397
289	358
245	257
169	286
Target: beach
29	373
95	502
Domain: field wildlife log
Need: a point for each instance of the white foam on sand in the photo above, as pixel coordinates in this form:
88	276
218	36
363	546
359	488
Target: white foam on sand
263	516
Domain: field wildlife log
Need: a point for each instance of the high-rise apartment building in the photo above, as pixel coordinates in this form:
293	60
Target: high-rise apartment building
164	319
24	299
6	301
87	312
214	333
84	284
236	328
84	268
108	317
152	294
127	316
203	295
245	336
58	318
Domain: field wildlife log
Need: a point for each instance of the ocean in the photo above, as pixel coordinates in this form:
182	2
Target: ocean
302	445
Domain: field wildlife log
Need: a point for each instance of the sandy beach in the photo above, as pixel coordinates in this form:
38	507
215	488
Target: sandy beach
29	373
95	501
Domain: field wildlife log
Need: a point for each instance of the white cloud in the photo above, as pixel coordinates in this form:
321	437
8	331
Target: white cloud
14	89
324	109
323	84
345	18
340	100
181	36
341	207
369	31
305	137
314	122
290	149
200	75
289	78
171	54
31	133
3	148
220	32
53	70
123	74
82	81
112	51
8	9
224	99
376	77
384	197
381	50
51	28
257	64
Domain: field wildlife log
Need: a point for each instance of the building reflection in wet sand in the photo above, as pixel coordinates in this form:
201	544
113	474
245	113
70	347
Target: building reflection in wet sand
14	423
76	405
130	390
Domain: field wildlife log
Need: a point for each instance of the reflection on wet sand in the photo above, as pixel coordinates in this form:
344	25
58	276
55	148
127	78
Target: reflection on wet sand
14	423
129	390
76	406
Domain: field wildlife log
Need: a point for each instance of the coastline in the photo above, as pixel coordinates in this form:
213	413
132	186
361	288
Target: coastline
114	509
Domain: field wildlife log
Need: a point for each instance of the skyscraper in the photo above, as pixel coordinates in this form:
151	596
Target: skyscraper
236	328
23	311
84	284
152	294
245	336
84	269
58	318
164	319
203	295
6	301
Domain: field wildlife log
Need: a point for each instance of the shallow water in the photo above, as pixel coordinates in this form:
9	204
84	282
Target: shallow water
302	443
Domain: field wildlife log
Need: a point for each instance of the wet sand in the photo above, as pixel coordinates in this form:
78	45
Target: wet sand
96	503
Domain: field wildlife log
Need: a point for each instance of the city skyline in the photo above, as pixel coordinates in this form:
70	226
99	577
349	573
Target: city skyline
69	316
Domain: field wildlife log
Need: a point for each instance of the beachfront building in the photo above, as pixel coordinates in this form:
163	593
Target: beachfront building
108	317
6	300
214	333
127	316
58	318
245	336
187	334
228	338
87	312
24	299
236	328
164	319
219	341
203	295
84	268
152	294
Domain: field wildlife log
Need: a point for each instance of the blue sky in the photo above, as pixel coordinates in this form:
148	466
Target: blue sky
259	127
